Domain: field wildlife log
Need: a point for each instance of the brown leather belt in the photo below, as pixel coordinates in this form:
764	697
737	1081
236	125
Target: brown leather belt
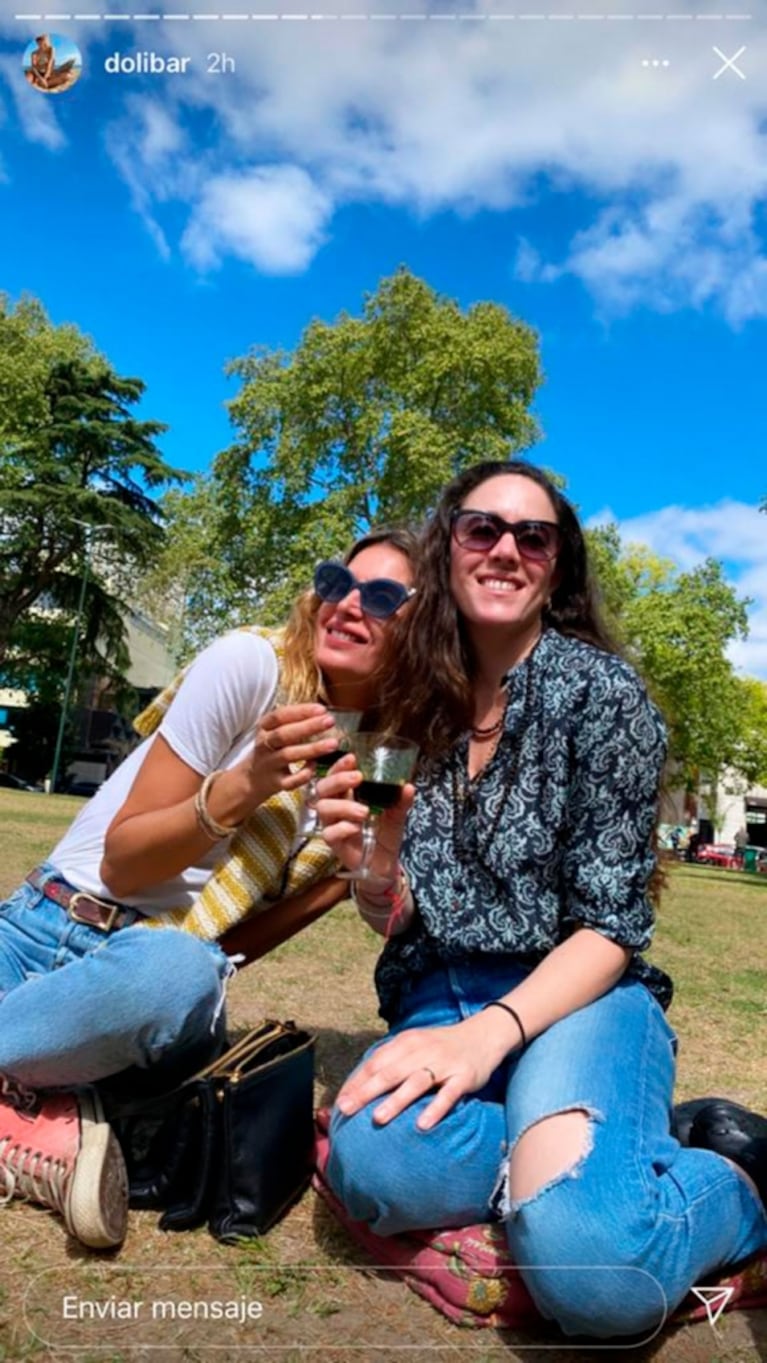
81	907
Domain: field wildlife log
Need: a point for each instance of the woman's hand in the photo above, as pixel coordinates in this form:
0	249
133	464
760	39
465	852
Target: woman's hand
156	834
455	1060
342	819
286	735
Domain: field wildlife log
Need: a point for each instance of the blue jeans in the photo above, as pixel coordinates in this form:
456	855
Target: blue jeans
78	1004
615	1241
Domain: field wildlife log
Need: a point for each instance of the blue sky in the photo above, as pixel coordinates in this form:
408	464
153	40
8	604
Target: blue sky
616	208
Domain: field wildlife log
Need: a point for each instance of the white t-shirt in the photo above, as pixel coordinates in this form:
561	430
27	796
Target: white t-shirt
210	724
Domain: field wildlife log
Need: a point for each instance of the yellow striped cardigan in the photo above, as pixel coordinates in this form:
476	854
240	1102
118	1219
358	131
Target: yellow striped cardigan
250	877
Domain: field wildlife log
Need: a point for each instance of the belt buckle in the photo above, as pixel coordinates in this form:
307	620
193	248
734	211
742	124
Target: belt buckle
72	913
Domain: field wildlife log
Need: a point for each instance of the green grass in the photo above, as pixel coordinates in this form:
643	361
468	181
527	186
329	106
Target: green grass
30	826
755	879
712	938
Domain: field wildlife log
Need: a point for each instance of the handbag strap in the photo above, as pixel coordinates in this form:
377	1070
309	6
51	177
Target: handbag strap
246	1048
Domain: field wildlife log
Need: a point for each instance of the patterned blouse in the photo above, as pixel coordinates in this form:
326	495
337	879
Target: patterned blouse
554	832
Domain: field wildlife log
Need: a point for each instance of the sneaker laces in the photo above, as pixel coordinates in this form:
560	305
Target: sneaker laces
31	1174
17	1096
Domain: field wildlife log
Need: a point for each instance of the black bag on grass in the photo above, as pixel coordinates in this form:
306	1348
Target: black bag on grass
232	1145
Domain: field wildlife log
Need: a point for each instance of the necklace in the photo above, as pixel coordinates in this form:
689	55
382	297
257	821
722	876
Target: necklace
466	795
491	728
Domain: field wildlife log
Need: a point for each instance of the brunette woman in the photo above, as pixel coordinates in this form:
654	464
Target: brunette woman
529	1068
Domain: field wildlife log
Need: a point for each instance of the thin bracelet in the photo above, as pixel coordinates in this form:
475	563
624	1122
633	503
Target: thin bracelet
210	826
392	898
507	1008
391	888
392	903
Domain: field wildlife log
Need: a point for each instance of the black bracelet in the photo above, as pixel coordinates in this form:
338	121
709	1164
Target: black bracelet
496	1003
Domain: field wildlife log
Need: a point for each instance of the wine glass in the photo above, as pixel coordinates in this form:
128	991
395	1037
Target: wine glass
345	723
387	763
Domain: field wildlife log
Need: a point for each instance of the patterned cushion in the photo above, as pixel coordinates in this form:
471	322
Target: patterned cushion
468	1275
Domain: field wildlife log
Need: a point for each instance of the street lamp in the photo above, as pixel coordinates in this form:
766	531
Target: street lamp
72	653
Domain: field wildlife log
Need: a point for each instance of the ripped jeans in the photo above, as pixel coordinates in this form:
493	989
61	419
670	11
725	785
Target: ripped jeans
78	1004
615	1242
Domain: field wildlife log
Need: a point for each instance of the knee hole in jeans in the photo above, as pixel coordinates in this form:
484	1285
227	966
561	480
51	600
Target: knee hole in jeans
549	1150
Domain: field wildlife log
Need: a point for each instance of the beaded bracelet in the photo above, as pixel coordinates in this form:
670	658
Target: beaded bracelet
210	826
496	1003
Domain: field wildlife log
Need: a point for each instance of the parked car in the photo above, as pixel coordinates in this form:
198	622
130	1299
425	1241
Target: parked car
718	854
9	782
83	788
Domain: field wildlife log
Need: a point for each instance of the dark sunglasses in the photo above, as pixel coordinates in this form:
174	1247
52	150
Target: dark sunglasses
481	530
380	597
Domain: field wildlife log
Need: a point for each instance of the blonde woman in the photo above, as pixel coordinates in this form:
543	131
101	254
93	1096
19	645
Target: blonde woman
84	993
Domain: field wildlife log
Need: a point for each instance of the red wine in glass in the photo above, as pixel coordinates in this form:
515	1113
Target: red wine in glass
386	762
323	764
346	723
378	795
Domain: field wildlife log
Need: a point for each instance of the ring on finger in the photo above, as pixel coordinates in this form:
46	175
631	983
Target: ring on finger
430	1073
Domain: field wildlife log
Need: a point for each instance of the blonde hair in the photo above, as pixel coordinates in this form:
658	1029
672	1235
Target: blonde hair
301	678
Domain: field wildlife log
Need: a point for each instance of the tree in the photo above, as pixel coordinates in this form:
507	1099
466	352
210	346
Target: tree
77	471
751	757
364	422
685	630
676	627
624	572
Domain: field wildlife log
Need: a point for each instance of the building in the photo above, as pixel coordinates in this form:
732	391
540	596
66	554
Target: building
718	811
105	737
102	736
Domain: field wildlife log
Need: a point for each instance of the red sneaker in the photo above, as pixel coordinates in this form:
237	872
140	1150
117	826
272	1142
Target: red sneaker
65	1156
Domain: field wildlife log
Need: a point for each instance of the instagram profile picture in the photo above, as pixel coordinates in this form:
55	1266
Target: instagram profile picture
52	64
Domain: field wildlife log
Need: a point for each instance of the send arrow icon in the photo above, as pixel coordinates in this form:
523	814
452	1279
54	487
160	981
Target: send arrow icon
714	1299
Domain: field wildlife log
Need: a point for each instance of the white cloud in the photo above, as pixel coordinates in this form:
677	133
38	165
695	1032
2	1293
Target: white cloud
273	217
528	263
672	253
36	115
149	147
728	530
459	116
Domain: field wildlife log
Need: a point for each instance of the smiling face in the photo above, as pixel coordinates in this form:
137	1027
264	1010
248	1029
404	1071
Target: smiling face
497	590
350	646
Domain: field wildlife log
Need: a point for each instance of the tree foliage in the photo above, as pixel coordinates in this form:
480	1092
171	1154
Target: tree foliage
365	421
77	474
750	759
677	626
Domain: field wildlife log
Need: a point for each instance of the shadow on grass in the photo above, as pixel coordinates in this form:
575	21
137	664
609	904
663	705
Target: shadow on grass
337	1054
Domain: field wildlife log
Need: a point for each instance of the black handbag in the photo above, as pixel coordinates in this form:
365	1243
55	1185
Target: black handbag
233	1145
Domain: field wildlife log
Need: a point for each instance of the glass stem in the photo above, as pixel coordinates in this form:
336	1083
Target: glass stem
311	821
368	848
